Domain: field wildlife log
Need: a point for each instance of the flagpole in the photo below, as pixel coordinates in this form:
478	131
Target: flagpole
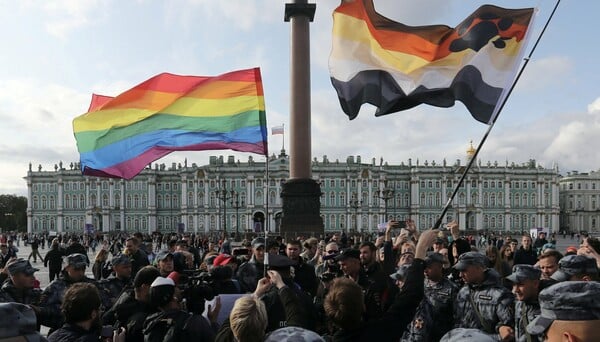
487	133
283	137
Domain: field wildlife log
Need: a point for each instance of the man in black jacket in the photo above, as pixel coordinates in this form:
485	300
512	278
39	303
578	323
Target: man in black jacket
133	307
139	257
345	293
526	254
53	260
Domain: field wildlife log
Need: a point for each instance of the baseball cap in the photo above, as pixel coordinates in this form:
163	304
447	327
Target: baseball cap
566	301
258	242
120	259
574	264
161	291
439	241
433	258
348	253
470	258
524	272
162	255
222	259
76	260
20	265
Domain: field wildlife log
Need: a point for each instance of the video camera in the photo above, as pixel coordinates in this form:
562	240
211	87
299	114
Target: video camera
196	287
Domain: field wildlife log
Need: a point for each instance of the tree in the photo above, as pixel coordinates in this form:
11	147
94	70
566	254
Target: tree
13	213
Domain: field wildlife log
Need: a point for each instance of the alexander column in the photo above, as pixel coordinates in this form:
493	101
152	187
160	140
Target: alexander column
300	194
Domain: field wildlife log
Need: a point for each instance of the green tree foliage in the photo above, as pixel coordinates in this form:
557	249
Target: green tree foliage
13	213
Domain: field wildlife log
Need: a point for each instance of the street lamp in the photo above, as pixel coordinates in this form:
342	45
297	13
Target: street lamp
235	203
225	195
355	204
385	195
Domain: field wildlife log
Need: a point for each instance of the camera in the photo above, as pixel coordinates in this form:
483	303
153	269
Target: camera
401	224
196	288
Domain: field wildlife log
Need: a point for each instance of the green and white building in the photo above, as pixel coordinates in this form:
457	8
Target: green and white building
232	195
580	201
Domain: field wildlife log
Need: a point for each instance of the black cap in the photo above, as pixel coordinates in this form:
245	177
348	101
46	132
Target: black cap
433	258
348	253
258	242
279	262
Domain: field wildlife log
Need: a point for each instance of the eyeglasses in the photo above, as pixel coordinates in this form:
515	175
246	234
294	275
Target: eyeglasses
332	251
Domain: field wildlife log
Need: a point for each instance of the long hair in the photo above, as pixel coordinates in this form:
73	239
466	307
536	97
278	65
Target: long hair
497	263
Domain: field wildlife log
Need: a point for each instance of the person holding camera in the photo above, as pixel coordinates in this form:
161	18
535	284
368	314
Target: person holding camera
171	323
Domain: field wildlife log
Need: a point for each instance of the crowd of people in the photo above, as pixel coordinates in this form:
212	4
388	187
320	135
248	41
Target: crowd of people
401	285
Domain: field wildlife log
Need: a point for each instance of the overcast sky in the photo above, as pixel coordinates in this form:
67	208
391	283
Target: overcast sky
57	53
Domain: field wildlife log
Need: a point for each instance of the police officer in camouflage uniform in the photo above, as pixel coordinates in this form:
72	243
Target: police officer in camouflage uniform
112	287
441	293
526	284
483	303
19	288
74	272
570	311
576	268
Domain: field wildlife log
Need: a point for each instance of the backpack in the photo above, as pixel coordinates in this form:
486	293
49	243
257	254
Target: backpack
165	326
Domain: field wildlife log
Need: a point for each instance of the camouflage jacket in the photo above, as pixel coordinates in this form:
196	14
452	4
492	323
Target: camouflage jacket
53	295
110	290
420	328
441	295
494	306
9	293
525	313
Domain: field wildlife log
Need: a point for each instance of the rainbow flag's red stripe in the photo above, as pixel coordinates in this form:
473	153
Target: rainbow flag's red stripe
395	67
119	136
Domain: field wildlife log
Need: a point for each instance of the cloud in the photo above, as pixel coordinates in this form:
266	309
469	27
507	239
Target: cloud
545	72
68	15
36	126
594	107
244	15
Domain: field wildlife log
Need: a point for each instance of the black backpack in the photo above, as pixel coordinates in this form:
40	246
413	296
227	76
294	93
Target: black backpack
165	326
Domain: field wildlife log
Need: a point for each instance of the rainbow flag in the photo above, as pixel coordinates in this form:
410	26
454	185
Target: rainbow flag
120	136
396	67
